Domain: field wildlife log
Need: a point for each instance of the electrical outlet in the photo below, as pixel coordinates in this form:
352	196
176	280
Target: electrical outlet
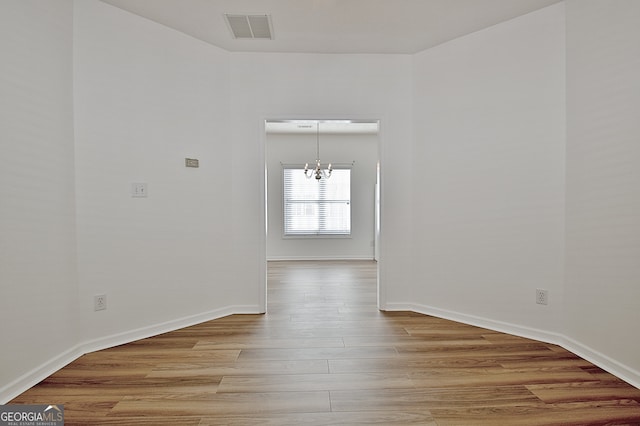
542	297
100	302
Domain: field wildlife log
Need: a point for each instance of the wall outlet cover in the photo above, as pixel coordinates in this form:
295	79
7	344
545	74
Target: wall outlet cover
542	296
100	302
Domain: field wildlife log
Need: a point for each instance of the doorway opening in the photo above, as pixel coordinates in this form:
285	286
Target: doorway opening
353	145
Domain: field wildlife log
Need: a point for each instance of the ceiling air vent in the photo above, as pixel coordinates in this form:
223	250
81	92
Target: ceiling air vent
250	26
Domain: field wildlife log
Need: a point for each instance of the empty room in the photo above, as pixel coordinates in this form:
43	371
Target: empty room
466	251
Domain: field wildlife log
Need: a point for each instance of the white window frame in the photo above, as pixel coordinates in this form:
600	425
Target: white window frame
328	197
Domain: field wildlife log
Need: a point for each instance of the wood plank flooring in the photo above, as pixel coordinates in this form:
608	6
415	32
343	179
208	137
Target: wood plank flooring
324	355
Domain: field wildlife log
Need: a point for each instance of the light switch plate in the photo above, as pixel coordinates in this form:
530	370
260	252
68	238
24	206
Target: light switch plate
139	190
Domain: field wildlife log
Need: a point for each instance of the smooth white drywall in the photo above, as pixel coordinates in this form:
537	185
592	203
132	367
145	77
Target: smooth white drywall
147	97
472	209
38	279
603	183
489	154
298	149
271	86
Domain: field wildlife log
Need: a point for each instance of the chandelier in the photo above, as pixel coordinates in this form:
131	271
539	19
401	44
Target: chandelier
318	172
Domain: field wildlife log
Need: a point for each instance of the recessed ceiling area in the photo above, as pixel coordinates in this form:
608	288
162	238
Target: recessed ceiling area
333	26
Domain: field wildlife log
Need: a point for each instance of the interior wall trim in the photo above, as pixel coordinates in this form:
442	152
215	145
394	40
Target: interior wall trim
30	379
608	364
35	376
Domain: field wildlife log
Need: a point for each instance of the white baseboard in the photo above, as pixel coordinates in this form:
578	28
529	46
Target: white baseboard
503	327
30	379
612	366
35	376
165	327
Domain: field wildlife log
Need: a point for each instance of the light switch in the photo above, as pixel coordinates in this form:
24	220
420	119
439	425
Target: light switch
139	190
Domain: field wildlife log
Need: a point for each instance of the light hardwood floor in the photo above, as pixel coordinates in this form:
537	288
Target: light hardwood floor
324	355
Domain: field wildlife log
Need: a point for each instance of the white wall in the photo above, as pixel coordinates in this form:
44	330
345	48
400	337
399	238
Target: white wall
146	97
299	149
322	86
38	279
489	120
472	149
603	183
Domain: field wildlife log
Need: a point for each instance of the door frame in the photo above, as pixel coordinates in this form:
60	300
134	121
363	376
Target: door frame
378	232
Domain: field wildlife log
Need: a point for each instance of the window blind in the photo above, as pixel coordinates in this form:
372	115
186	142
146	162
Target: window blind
313	207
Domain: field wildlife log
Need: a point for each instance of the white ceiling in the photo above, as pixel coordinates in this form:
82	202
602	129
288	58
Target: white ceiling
334	26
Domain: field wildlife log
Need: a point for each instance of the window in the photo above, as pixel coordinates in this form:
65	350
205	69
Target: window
314	207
